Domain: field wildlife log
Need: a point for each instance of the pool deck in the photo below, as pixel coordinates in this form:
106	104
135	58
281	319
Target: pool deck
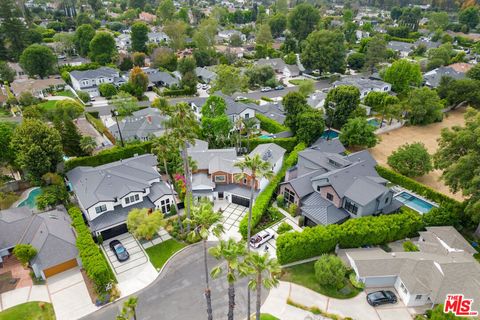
399	190
23	197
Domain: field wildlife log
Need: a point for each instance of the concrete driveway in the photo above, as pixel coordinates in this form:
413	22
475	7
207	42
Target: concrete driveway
137	255
232	215
69	295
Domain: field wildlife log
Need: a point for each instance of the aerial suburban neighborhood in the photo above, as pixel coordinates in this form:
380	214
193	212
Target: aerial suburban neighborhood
267	160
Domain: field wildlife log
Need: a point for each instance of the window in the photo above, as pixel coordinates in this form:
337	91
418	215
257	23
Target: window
247	115
330	196
132	198
165	205
418	297
318	188
127	200
101	208
220	178
386	200
351	207
244	180
289	196
137	197
404	289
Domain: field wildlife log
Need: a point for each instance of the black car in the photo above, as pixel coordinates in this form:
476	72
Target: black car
119	250
381	297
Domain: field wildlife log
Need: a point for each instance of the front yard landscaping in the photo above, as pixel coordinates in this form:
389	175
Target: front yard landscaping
31	310
160	253
304	275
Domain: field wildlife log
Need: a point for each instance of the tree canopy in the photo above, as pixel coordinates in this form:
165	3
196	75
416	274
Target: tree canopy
139	36
340	104
424	106
38	60
357	132
325	50
403	74
302	20
102	48
411	160
294	103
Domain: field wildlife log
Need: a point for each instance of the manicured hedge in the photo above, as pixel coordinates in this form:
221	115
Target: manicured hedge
286	143
263	200
270	125
110	155
415	186
93	260
312	242
179	92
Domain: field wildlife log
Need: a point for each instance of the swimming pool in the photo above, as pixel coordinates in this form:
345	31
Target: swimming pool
266	136
30	200
414	202
375	122
330	134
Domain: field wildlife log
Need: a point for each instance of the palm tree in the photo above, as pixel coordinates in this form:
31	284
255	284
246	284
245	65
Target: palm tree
129	309
204	218
162	146
230	251
238	133
265	271
249	125
258	169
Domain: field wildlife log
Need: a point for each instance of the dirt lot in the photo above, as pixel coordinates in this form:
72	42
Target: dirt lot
428	135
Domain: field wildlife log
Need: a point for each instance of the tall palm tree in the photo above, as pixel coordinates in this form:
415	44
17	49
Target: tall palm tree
204	219
162	146
238	125
249	125
230	251
129	309
258	169
265	270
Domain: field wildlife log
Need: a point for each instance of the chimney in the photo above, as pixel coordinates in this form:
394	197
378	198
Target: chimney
149	119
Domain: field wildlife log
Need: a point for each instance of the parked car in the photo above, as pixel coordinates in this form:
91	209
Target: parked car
119	250
381	297
266	89
279	87
240	98
260	238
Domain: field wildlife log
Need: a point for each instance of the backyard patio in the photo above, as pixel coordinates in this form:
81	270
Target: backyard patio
13	275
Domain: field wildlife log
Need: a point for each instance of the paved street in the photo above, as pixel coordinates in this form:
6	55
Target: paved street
178	293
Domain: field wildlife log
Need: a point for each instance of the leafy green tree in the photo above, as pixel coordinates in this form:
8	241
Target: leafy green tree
204	37
206	221
440	56
403	74
229	80
38	148
139	36
166	10
282	6
38	60
424	106
102	48
310	126
264	35
261	75
375	52
438	20
12	30
126	103
51	196
469	17
83	36
88	144
442	216
66	109
356	60
357	132
144	224
107	90
306	87
330	271
456	92
70	137
302	20
129	309
138	59
176	31
231	251
473	73
139	81
294	103
7	74
278	24
164	58
325	50
216	125
24	252
411	160
7	154
265	271
340	103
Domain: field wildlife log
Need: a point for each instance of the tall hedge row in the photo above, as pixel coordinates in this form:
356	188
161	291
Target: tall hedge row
312	242
263	200
93	260
415	186
286	143
270	125
100	127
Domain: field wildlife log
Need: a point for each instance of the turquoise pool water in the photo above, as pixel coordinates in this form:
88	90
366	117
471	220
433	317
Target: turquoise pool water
330	134
265	136
31	199
374	122
413	202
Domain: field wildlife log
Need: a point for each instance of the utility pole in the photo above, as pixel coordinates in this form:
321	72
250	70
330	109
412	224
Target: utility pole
115	114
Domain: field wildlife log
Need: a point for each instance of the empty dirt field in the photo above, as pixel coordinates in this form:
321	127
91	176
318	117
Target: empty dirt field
428	135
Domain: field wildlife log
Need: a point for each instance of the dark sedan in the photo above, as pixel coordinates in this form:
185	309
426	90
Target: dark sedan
119	250
381	297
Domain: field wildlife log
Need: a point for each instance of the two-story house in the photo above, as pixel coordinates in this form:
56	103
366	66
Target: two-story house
364	85
217	177
330	187
280	67
89	80
156	78
107	193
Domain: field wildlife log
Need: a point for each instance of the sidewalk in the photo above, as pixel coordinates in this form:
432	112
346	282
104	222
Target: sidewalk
26	294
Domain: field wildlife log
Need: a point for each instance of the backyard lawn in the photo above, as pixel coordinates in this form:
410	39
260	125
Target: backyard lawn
48	105
31	310
298	82
160	253
65	93
304	275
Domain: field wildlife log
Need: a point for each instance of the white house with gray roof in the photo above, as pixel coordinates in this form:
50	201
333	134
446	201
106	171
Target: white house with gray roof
89	80
156	78
443	265
330	187
50	233
364	85
107	193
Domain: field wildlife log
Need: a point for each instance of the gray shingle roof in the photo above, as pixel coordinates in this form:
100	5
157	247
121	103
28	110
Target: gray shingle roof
158	190
201	179
432	78
141	125
322	211
270	152
13	223
302	185
93	74
363	190
329	146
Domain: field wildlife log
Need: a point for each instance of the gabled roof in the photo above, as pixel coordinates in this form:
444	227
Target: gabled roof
329	146
140	124
322	211
270	152
363	190
95	73
302	185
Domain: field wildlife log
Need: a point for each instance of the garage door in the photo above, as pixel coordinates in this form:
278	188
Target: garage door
60	268
115	231
241	201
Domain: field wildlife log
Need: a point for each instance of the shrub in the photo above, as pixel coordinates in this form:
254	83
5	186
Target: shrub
353	280
286	143
84	96
301	221
411	160
280	200
143	223
330	271
312	242
107	90
284	227
94	262
445	215
24	252
270	125
51	195
408	246
293	209
264	198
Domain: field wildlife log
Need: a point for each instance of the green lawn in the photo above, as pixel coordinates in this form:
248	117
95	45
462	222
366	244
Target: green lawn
160	253
65	93
298	82
266	316
304	275
30	311
48	105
